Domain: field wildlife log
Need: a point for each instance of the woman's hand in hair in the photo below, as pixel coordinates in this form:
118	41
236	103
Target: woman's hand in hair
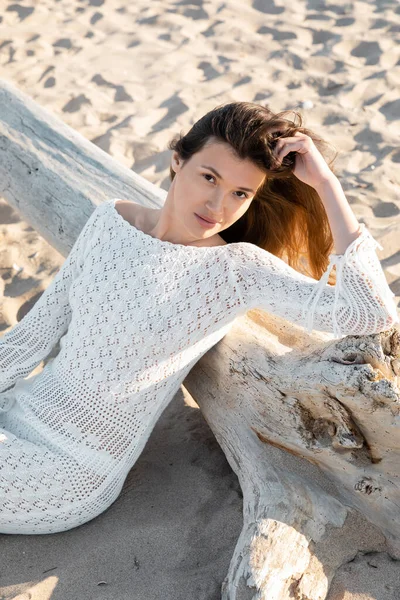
309	164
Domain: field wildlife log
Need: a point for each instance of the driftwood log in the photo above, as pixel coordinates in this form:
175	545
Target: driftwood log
310	425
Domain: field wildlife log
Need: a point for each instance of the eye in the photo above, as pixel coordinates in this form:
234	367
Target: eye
244	197
208	175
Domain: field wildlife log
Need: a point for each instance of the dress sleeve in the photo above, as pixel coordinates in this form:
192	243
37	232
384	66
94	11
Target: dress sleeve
360	303
32	339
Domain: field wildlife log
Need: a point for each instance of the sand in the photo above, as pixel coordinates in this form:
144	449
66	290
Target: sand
129	76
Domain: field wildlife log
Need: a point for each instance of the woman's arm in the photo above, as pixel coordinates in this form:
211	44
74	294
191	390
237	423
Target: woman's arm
361	302
343	223
32	339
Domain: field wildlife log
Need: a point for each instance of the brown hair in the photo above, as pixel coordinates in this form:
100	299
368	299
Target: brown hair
286	217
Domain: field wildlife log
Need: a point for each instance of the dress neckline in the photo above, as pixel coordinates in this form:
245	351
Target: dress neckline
151	239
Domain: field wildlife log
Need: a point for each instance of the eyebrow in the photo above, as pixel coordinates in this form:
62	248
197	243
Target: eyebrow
219	176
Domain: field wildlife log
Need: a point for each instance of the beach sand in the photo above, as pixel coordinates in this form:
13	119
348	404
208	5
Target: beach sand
129	76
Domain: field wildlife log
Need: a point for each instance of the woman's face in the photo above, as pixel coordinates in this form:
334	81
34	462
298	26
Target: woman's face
213	184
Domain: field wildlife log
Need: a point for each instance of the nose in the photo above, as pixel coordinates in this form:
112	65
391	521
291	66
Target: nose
215	206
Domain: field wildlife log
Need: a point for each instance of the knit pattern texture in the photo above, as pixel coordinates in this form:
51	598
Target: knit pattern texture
133	314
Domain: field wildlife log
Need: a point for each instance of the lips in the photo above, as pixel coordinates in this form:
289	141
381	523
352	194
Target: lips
206	219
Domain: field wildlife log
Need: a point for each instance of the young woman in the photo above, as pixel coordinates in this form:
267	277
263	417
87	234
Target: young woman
144	293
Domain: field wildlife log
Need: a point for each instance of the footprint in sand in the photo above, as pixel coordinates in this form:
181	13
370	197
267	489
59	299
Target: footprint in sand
96	17
75	104
368	140
391	110
385	209
345	22
396	157
121	95
243	81
379	24
372	100
50	82
333	119
276	34
63	43
262	97
175	108
371	51
268	8
46	72
148	20
20	285
209	32
191	12
318	17
208	70
322	37
23	11
390	261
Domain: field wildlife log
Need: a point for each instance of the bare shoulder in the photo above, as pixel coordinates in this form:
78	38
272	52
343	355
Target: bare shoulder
129	210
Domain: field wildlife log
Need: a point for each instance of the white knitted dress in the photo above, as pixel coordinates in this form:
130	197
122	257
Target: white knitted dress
133	315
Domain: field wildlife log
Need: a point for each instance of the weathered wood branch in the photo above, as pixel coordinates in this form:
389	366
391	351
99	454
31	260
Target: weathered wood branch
55	177
271	406
310	425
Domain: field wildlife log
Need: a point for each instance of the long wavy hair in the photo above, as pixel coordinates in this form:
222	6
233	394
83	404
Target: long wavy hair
286	217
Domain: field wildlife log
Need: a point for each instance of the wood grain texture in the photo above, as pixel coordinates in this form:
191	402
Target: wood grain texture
55	177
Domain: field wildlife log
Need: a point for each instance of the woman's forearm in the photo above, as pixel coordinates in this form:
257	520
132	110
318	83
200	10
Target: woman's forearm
343	223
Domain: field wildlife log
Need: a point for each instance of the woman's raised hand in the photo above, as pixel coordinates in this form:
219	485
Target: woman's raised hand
310	166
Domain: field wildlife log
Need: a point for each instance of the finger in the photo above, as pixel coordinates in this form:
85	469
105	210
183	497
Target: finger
291	140
291	147
297	143
295	146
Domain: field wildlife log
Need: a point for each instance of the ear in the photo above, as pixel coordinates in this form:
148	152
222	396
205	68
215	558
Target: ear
176	162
